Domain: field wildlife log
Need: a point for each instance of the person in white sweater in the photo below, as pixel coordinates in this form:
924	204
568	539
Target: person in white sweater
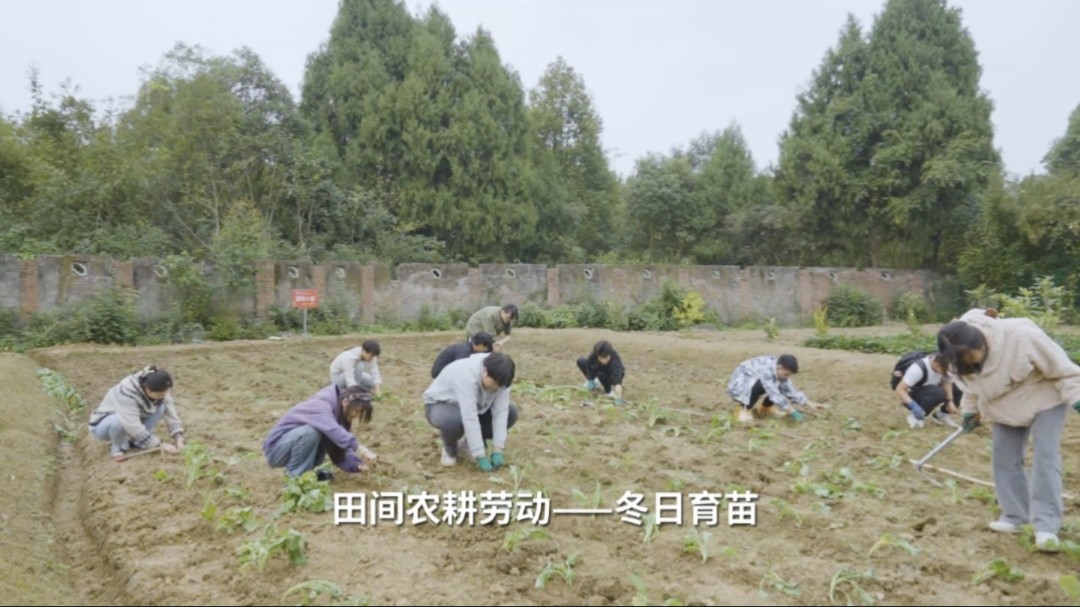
1014	376
358	366
132	408
471	398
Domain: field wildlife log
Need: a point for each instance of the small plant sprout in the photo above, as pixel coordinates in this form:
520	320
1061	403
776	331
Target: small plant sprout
777	583
513	539
888	539
565	570
592	502
311	590
517	475
1070	586
257	553
821	320
650	526
954	497
785	510
772	330
999	569
306	493
698	541
846	583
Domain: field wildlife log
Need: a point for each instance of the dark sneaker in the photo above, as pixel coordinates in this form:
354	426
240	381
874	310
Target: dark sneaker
324	475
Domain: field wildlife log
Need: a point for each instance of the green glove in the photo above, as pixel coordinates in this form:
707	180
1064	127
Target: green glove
1076	406
485	464
971	421
620	402
797	416
497	459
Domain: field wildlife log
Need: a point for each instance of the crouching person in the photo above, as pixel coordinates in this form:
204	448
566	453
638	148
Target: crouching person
319	427
132	409
768	377
470	400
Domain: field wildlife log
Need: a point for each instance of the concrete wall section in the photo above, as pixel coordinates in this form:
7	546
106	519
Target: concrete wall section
378	293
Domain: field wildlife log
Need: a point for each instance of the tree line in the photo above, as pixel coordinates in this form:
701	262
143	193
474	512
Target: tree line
412	143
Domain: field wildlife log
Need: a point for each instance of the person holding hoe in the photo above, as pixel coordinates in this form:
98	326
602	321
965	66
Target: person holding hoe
132	409
1019	380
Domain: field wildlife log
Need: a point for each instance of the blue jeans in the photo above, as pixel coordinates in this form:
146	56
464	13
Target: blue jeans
111	430
298	451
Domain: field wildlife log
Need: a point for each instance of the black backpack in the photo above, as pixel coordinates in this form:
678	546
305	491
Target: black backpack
917	357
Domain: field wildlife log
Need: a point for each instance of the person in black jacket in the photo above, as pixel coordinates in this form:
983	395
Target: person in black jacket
481	342
603	368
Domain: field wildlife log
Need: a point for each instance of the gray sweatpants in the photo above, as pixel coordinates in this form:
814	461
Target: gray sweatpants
447	418
362	378
298	451
1041	505
111	430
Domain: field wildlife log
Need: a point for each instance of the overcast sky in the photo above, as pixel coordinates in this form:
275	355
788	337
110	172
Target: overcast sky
660	71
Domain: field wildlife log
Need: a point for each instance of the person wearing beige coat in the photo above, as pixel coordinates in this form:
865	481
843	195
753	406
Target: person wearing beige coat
1015	377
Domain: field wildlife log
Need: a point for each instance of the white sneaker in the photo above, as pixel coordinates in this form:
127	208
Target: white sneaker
1047	542
1004	527
447	459
914	423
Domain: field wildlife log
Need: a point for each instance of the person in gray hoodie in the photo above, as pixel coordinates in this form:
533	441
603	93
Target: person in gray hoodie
132	408
471	398
318	427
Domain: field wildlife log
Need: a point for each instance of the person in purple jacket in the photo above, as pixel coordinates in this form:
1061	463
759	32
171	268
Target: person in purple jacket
321	426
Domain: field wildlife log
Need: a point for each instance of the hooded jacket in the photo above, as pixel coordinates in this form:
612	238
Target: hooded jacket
1025	372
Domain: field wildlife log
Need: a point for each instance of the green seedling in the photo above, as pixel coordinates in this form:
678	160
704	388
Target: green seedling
777	583
772	330
641	595
513	539
517	475
197	463
983	494
888	539
869	489
698	541
306	493
827	491
593	501
760	437
852	425
954	494
57	386
650	527
892	435
565	570
785	510
161	476
846	583
654	413
1070	586
311	590
882	462
999	569
257	553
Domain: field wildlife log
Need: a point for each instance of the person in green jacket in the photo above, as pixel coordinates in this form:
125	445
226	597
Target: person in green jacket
493	320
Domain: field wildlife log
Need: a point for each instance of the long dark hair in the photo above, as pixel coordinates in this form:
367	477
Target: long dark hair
356	398
956	341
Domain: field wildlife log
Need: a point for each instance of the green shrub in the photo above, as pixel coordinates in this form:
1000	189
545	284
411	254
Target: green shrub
849	306
908	304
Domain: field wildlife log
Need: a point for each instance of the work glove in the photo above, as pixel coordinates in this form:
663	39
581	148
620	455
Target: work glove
484	463
593	384
971	421
497	460
797	416
1076	406
620	402
916	410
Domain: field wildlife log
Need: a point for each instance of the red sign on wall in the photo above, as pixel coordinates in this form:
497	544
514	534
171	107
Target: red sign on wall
305	299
